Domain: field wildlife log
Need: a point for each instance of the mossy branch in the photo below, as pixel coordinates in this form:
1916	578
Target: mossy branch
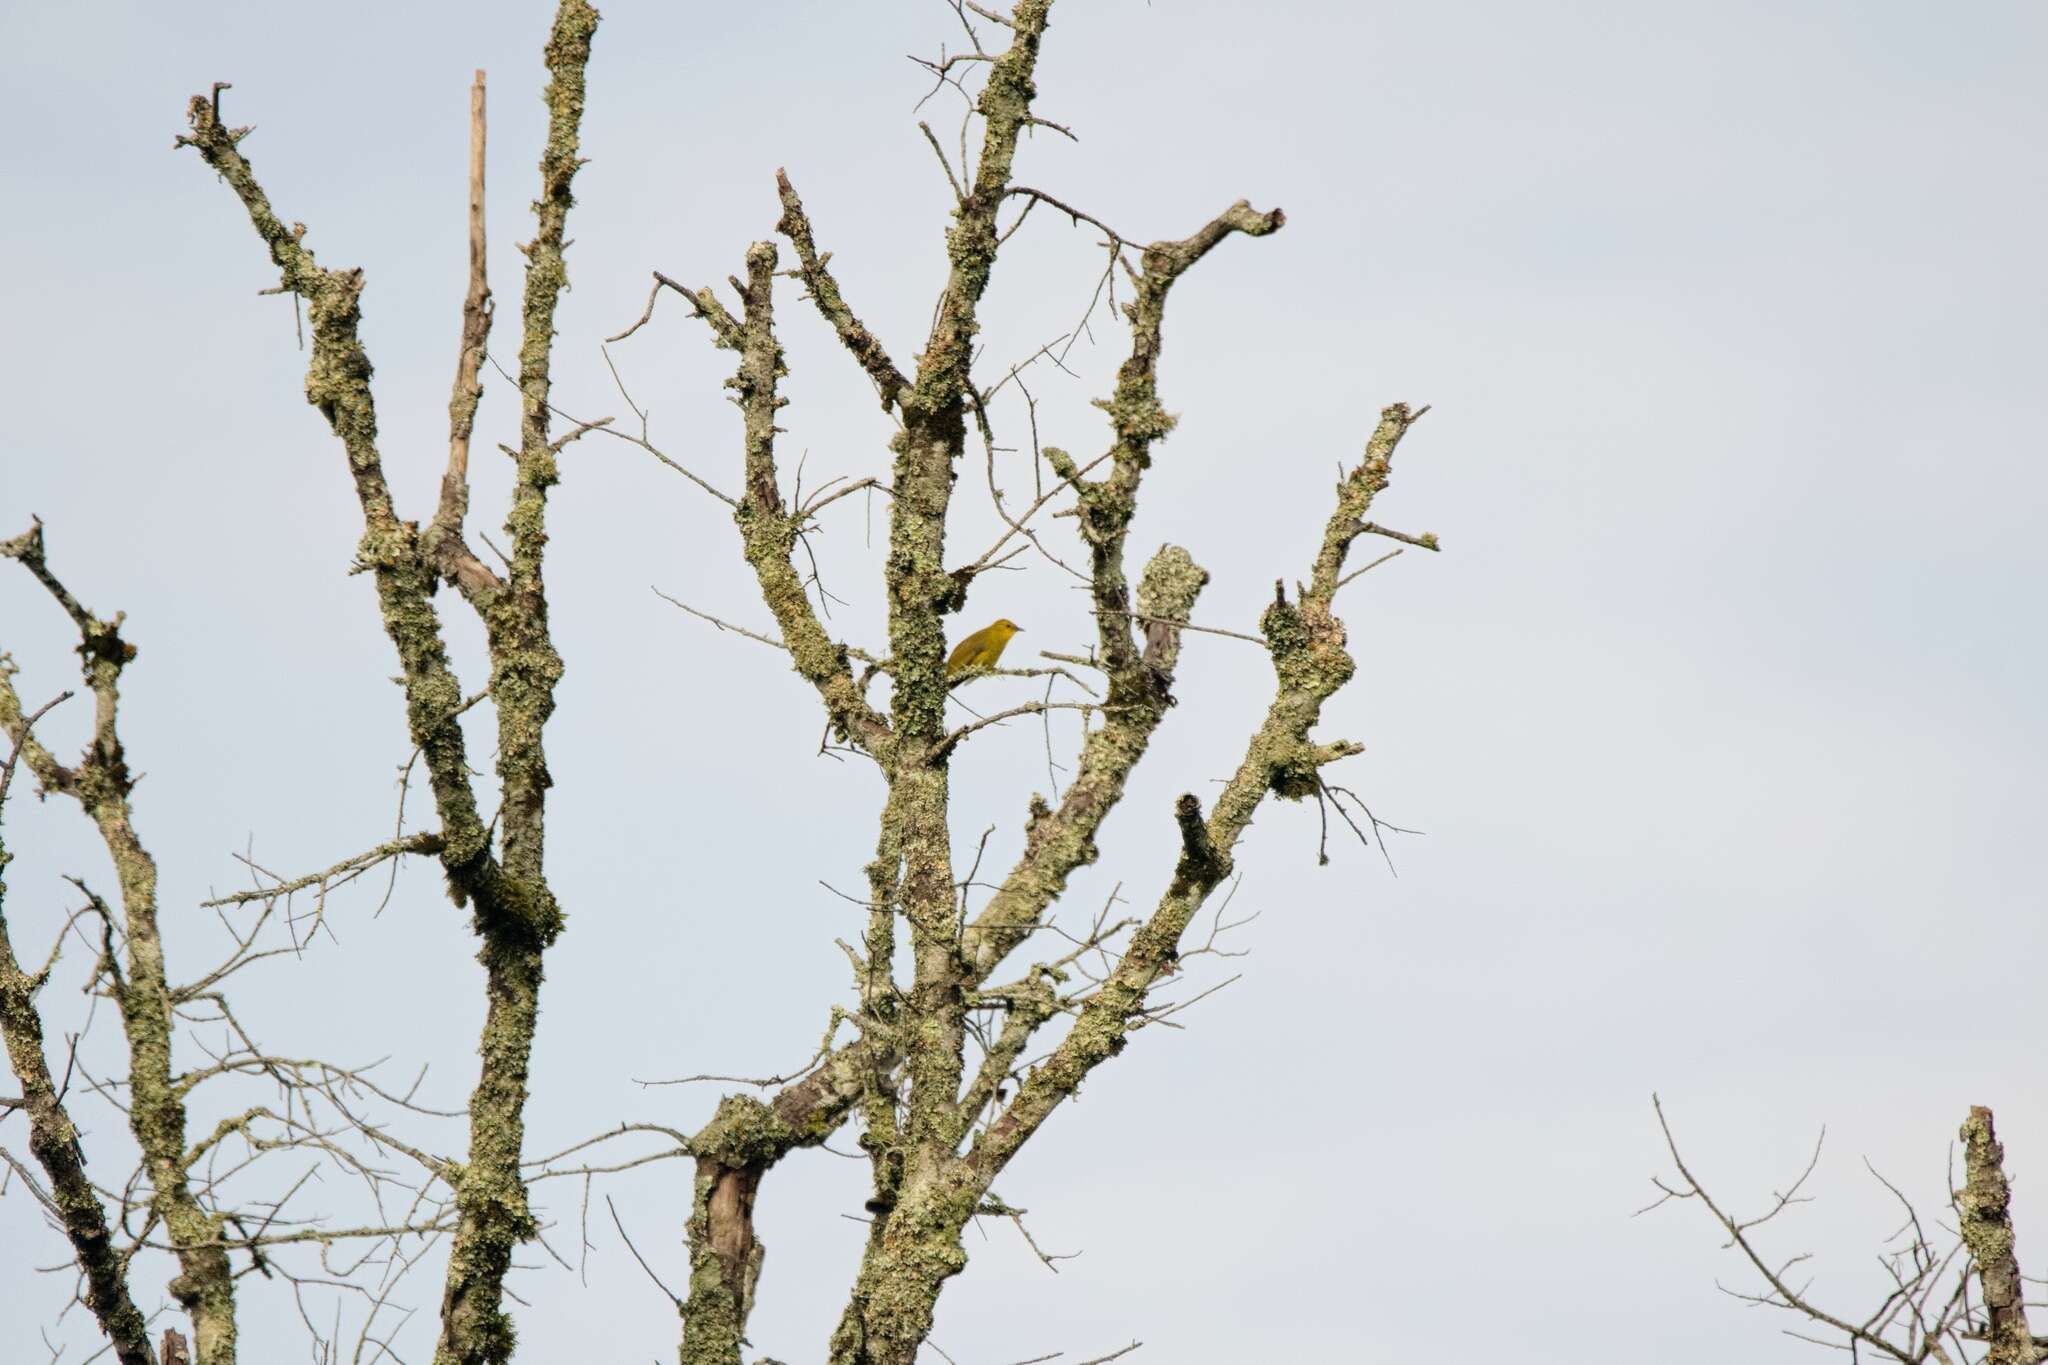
52	1137
102	785
1059	842
1310	664
768	529
516	913
1984	1205
338	384
493	1216
862	344
924	1188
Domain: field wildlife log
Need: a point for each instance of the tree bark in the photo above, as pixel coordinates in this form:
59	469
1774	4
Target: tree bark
1985	1203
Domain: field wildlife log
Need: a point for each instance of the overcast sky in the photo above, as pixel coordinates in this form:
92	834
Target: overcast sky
1715	707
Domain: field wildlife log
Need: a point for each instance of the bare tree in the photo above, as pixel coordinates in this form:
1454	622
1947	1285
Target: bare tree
934	1071
947	1070
503	880
1928	1313
496	868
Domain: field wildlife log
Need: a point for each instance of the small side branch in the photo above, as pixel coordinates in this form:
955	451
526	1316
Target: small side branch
347	867
723	625
704	305
769	530
1032	708
1426	541
861	343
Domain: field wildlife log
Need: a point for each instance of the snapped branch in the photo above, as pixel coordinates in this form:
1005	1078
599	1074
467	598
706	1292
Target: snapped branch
442	541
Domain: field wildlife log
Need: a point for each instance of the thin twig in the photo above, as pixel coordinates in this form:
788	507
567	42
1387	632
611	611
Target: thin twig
1186	625
722	625
637	1256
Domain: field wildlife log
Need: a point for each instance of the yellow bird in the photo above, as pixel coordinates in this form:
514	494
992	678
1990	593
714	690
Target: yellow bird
981	649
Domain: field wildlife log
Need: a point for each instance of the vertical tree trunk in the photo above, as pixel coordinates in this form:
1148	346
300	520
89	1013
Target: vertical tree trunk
1985	1204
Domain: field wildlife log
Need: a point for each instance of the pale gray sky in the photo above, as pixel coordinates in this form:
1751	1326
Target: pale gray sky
1715	708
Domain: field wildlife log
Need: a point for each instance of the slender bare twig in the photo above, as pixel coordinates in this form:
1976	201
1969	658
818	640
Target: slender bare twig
1367	568
347	867
1906	1326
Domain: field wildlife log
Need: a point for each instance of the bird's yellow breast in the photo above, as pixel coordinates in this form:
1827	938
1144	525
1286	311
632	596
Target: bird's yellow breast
982	649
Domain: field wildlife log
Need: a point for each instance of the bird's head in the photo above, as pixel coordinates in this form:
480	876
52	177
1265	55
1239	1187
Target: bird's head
1005	627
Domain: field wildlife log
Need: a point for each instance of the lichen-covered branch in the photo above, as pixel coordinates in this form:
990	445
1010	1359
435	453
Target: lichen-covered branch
912	1248
1028	1006
914	861
1138	421
736	1149
916	1247
906	1072
102	784
1984	1204
919	589
916	1243
338	384
1310	663
516	915
864	345
1059	842
523	920
52	1137
768	529
920	880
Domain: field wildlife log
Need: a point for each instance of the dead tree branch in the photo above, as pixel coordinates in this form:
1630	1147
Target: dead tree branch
1925	1317
516	915
52	1137
1985	1206
102	784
